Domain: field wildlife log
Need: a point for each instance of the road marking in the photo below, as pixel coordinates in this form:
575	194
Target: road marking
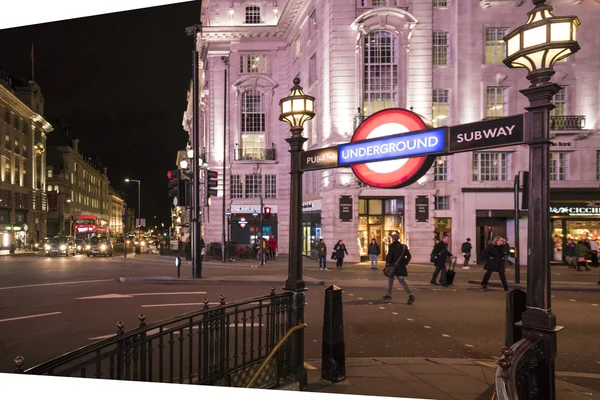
572	300
55	284
371	303
427	327
30	316
595	305
409	319
469	345
175	305
132	295
395	313
444	335
351	294
166	293
382	308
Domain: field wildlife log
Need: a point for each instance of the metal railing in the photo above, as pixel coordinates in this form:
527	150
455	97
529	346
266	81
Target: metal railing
221	346
567	122
514	378
254	154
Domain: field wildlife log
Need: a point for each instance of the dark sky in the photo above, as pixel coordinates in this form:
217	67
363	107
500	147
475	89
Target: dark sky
119	82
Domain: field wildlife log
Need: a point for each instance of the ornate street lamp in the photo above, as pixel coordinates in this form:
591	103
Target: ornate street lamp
183	163
296	109
543	40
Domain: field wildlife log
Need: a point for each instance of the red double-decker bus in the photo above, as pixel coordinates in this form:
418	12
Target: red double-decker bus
87	226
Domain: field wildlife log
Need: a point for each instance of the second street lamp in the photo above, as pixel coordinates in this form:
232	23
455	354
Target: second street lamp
296	109
139	197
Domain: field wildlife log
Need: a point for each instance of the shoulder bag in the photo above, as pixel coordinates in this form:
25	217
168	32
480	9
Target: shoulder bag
389	270
433	257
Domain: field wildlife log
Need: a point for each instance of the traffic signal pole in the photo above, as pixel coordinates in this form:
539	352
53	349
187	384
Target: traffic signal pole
260	234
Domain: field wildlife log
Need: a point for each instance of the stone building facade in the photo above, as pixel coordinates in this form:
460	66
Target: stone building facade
23	130
440	58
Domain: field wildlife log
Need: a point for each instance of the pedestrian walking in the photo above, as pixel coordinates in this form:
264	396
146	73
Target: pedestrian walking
374	252
594	254
322	253
466	250
569	253
438	257
495	261
273	246
582	252
398	257
340	250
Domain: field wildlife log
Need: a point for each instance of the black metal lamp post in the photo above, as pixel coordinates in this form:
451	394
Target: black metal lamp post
537	45
296	109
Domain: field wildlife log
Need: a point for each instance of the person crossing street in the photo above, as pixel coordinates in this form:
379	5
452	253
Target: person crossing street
398	256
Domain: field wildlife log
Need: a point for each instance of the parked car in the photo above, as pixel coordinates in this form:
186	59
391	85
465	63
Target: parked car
59	246
99	246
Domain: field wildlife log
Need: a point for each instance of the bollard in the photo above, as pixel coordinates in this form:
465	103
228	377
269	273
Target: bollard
333	358
516	302
178	266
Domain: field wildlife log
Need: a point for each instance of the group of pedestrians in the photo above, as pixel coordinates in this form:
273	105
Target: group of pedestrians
338	254
577	255
265	249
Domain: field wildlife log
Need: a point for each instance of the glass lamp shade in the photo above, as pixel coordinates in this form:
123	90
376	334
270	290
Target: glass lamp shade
542	41
298	107
183	164
190	153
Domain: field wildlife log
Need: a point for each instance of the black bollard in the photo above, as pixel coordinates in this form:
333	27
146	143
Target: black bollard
333	357
516	302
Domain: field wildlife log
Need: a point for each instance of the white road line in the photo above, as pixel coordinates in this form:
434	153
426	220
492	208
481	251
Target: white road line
444	335
426	327
30	316
106	296
56	283
102	337
382	308
469	345
165	293
595	305
175	305
572	300
409	319
395	313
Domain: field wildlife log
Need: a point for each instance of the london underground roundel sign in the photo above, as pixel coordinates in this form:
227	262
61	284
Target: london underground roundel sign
393	173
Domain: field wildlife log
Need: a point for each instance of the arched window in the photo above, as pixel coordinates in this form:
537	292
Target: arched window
253	125
380	85
253	15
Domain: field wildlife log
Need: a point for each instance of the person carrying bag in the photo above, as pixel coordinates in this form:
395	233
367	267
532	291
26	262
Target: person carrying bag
396	261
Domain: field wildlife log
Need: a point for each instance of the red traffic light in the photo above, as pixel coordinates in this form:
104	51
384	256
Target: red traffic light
169	175
267	210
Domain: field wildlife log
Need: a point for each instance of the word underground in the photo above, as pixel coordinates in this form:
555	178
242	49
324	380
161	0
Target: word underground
394	147
485	134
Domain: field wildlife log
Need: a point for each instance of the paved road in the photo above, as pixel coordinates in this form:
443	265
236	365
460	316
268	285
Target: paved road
40	319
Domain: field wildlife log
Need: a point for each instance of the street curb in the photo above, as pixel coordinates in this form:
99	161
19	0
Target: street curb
589	287
214	281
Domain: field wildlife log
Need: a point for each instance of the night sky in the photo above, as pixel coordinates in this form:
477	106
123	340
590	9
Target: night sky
119	83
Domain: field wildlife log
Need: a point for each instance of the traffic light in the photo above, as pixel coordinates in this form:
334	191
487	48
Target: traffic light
267	212
183	199
210	181
173	183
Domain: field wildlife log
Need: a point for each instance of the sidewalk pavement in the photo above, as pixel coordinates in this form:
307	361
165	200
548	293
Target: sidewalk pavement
18	253
425	378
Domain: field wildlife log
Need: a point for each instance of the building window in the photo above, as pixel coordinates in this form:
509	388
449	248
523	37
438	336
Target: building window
270	186
440	169
496	101
441	48
558	166
440	107
7	116
560	103
253	124
312	69
440	3
380	71
442	202
253	15
489	166
312	24
236	187
17	148
253	186
49	172
494	45
297	46
254	63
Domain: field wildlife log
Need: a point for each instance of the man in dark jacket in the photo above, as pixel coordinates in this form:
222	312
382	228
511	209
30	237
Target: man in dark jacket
399	256
569	253
374	252
440	255
466	250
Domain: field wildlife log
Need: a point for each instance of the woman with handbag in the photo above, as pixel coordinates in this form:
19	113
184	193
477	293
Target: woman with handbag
396	261
339	250
495	261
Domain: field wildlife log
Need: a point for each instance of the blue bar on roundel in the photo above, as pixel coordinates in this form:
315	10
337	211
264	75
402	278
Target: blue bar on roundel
393	147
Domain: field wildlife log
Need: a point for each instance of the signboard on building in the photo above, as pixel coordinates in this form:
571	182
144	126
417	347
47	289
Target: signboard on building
319	159
575	210
252	209
313	205
346	208
422	208
442	224
486	134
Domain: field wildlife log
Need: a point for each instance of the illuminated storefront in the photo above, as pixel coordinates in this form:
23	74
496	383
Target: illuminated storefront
378	219
311	227
577	221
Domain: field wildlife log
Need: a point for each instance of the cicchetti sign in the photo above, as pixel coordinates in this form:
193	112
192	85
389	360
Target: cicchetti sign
575	210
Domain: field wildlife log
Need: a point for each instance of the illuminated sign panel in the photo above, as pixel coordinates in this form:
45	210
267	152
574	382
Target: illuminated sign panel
393	147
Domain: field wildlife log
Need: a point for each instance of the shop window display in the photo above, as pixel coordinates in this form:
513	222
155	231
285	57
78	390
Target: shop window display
379	219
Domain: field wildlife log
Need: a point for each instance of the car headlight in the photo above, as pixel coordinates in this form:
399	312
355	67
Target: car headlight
47	247
63	247
88	247
103	247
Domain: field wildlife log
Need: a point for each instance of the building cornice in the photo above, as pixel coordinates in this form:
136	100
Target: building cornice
23	110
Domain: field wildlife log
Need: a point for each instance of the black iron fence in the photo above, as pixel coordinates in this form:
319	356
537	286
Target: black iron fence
515	377
567	122
254	154
221	346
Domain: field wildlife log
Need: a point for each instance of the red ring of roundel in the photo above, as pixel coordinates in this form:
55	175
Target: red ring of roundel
411	170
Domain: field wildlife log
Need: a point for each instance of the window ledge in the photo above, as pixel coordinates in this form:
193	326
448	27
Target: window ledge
500	3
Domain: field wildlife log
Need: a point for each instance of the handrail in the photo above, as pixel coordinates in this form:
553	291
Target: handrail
506	379
274	351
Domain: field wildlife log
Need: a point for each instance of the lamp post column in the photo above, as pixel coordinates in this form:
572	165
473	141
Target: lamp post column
139	201
538	321
295	282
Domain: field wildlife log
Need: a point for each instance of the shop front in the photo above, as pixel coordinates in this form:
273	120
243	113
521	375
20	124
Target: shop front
577	221
378	219
245	223
311	227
